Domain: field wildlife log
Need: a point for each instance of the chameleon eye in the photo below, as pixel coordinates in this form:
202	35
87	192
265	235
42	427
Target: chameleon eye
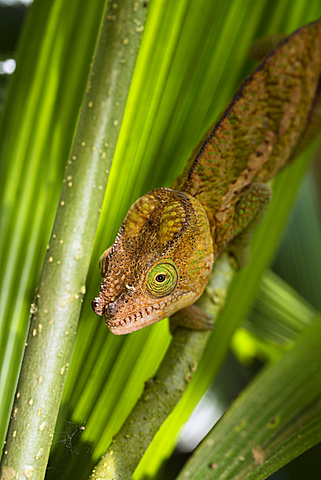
161	279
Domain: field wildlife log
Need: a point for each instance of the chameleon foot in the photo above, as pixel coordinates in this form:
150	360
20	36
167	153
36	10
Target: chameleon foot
250	210
192	318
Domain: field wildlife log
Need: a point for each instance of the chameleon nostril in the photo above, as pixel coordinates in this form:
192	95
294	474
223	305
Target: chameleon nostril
97	307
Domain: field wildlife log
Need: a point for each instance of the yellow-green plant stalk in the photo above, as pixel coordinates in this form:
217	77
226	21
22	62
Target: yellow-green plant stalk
61	287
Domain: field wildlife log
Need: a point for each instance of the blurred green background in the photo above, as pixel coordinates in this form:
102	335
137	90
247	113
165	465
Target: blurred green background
193	56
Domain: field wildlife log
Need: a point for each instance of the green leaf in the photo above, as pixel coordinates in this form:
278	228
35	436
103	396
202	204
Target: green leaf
279	312
298	259
274	420
276	318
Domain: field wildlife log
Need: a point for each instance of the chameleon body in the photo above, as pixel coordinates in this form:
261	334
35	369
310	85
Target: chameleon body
163	254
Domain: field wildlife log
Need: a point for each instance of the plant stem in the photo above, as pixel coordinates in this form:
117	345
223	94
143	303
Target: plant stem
61	287
162	392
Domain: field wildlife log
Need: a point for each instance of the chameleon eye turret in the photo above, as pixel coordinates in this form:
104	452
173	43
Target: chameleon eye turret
161	280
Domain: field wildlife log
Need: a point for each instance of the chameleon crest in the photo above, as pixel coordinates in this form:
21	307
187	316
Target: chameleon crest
159	263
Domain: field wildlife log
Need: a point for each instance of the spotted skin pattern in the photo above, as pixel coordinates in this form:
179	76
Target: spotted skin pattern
163	254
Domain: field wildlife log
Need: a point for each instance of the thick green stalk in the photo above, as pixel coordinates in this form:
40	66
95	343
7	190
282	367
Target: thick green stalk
36	134
61	287
163	391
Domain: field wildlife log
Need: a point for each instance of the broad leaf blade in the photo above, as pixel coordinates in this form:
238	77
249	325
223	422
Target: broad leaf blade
273	421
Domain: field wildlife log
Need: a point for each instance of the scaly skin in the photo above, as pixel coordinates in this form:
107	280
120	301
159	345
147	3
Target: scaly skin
163	254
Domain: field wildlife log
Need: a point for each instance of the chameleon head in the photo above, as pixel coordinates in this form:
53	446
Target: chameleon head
159	263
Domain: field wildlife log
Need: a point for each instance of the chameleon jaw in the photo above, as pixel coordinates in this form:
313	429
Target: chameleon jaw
145	316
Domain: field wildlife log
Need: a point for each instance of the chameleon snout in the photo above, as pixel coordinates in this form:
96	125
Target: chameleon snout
104	310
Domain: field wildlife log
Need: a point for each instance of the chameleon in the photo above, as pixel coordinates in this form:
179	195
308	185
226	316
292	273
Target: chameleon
163	254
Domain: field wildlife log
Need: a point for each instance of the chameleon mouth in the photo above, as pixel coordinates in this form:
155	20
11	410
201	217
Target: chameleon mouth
136	321
145	316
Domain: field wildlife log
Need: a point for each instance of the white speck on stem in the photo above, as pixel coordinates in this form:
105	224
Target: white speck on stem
39	453
42	426
28	471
